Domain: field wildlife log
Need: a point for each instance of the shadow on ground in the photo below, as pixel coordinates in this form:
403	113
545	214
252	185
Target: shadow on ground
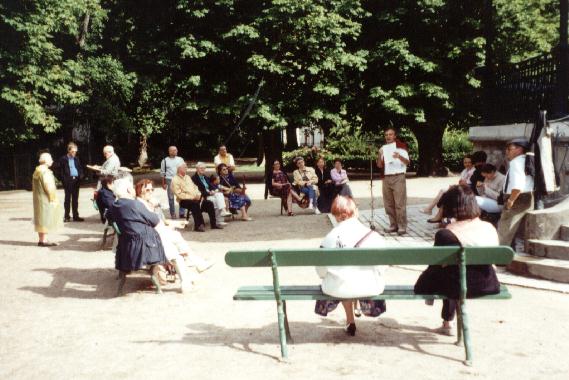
91	283
385	332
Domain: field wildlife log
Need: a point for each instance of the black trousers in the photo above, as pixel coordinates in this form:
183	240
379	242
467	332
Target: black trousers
197	207
71	188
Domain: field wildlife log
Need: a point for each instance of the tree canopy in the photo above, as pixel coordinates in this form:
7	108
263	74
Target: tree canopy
189	71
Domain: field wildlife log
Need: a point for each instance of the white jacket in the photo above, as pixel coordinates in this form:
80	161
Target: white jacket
352	281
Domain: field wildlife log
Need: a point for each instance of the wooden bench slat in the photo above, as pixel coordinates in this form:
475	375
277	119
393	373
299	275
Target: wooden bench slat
314	292
500	255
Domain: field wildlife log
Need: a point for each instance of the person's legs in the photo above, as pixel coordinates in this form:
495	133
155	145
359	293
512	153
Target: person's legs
75	199
389	202
68	189
350	323
511	219
207	206
171	203
289	202
429	209
448	311
488	205
42	237
194	207
400	199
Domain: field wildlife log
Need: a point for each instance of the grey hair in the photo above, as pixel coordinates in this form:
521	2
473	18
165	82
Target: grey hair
109	148
200	164
45	157
122	184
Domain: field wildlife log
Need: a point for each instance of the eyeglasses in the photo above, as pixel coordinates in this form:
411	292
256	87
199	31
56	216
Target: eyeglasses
149	190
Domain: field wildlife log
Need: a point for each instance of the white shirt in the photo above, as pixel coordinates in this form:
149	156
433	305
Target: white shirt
228	160
352	281
111	166
466	174
516	177
169	166
396	166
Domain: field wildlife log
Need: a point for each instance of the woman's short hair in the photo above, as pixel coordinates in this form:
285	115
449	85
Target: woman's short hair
200	164
459	203
141	185
220	168
479	156
107	180
122	185
488	168
213	177
337	160
45	157
296	159
343	207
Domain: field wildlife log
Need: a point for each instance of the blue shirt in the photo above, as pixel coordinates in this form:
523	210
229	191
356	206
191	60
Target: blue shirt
202	178
72	169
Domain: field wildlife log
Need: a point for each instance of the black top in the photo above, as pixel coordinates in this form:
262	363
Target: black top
139	243
105	199
474	179
196	179
62	168
480	279
229	181
323	176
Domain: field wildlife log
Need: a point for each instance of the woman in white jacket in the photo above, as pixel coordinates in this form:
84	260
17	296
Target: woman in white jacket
351	282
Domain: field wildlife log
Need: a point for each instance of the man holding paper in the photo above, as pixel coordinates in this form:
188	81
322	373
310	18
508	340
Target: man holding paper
393	157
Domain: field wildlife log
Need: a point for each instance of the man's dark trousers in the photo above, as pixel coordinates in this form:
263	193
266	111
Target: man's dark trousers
71	188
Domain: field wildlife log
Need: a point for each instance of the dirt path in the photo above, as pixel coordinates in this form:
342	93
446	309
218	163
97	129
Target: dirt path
60	320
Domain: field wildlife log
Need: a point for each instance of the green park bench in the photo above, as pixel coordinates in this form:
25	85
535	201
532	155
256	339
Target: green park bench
275	258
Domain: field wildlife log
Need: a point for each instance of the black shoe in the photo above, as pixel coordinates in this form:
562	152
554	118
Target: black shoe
200	228
46	244
78	219
216	227
67	219
351	329
434	220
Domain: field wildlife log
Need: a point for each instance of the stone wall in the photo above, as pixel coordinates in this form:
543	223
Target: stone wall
492	140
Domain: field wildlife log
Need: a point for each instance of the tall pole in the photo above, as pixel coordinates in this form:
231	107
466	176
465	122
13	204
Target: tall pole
562	107
489	76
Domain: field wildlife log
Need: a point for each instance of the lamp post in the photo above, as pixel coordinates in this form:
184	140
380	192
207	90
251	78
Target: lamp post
561	106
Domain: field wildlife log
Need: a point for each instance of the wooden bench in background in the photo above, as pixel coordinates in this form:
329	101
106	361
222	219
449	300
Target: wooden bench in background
362	256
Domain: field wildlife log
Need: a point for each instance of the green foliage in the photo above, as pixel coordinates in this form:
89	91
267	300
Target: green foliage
455	146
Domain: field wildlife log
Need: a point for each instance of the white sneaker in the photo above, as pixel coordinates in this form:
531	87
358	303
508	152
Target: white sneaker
316	211
225	213
222	223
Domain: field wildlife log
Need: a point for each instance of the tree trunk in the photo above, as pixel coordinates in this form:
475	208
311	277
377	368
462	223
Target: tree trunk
83	30
291	140
273	148
430	140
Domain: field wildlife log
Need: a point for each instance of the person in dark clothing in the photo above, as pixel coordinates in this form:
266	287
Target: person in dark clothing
479	159
139	244
325	185
69	172
468	230
105	198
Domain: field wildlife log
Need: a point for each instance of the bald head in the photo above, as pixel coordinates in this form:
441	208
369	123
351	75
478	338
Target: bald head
172	151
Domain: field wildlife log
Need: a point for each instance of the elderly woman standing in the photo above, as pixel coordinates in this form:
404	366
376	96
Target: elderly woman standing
351	282
48	215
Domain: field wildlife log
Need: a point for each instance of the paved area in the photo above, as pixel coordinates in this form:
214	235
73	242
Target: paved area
420	233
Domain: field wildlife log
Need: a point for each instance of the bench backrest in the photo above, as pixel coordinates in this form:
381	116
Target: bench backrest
500	255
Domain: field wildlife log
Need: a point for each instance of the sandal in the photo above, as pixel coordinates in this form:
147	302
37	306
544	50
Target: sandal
290	213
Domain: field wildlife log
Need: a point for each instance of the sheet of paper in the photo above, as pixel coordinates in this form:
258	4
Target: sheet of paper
388	150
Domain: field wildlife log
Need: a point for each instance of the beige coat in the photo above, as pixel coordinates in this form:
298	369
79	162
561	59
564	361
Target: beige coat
48	215
309	172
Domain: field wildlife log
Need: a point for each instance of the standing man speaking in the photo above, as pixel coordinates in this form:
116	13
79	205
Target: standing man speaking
69	172
168	170
394	159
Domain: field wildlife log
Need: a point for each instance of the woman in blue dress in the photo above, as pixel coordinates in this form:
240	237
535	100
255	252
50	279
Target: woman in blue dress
238	200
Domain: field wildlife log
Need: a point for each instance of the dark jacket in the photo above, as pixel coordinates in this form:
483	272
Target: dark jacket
62	169
200	185
105	199
323	176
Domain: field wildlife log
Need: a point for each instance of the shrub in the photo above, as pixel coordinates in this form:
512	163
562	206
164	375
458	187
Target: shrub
455	147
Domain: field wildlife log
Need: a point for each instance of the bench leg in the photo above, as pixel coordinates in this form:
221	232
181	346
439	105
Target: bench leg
287	328
154	278
282	329
122	280
458	326
466	334
104	241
